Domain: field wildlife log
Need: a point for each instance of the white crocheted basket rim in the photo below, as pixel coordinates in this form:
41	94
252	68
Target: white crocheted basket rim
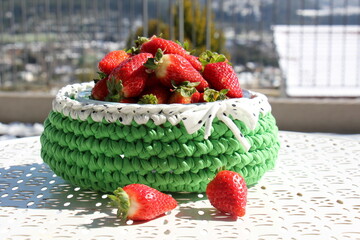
73	101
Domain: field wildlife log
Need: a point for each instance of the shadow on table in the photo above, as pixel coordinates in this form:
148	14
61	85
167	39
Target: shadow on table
35	186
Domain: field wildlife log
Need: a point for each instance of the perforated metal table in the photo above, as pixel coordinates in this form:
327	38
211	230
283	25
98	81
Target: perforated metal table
313	193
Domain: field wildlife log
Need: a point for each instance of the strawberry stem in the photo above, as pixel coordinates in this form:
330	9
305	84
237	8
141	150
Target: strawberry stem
186	88
153	63
121	200
140	41
211	57
211	95
115	90
148	99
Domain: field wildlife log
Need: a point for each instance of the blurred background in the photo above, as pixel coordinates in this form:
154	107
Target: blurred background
303	54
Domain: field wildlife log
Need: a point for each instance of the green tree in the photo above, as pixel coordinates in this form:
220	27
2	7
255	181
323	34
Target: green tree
194	28
155	27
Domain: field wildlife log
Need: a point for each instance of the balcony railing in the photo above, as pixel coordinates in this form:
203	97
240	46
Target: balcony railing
291	45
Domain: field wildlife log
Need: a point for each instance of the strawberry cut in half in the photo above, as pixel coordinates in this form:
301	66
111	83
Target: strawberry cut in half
227	192
171	68
140	202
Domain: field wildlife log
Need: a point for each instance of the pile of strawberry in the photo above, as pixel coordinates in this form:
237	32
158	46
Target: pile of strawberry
160	71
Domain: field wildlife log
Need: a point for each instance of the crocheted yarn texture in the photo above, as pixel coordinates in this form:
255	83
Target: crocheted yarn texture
102	155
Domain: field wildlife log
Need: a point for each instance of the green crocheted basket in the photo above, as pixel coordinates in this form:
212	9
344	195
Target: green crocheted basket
101	146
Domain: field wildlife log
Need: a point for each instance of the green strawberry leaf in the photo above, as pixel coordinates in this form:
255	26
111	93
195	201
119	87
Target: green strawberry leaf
186	88
148	99
211	95
133	50
140	41
211	57
151	63
159	54
102	75
222	95
115	90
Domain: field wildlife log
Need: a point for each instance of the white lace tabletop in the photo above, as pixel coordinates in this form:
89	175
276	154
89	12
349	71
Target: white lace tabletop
313	193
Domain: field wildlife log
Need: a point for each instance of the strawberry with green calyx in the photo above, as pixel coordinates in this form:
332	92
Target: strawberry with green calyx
128	79
148	99
227	192
139	202
221	75
112	60
211	57
183	92
167	46
173	67
155	95
211	95
114	88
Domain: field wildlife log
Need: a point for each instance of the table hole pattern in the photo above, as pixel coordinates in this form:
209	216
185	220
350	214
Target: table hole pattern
316	200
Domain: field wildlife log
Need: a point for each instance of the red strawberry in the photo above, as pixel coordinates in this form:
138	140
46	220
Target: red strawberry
174	68
141	202
128	100
196	97
128	79
169	47
152	81
183	93
100	90
194	61
155	95
176	97
209	95
227	192
112	60
221	75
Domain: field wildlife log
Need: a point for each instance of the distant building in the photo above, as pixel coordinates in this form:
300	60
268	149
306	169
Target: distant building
319	60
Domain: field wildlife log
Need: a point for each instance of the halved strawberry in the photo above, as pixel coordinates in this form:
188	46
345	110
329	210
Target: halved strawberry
128	79
170	68
140	202
112	60
167	46
227	192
